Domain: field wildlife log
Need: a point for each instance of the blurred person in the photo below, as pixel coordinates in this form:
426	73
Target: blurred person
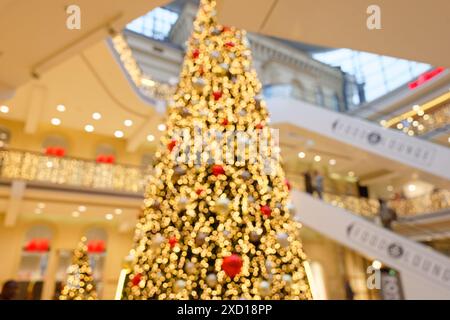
308	182
9	290
318	183
387	214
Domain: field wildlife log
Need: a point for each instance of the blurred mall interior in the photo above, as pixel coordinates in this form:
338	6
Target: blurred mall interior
366	112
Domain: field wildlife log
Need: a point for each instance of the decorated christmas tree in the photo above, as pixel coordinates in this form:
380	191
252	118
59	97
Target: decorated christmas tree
217	222
80	283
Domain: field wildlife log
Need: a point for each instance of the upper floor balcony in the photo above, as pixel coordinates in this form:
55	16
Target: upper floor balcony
99	176
72	172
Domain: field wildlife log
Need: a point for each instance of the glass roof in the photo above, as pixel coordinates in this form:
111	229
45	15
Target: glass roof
379	74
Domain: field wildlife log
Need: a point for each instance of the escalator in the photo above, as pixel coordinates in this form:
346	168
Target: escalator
417	153
425	273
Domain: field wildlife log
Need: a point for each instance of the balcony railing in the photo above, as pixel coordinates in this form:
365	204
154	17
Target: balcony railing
71	172
81	173
434	202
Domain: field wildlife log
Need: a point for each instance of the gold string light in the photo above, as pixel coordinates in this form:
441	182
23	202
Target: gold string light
216	230
80	282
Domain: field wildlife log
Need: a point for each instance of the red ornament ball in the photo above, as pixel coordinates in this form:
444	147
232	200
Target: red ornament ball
266	211
195	53
136	279
232	265
171	144
217	170
217	95
288	184
230	44
226	29
225	122
173	241
199	191
259	126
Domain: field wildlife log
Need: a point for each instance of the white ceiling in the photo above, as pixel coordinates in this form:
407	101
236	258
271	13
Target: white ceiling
410	29
34	36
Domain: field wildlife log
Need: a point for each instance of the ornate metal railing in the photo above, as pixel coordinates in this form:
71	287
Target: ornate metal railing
71	172
436	201
81	173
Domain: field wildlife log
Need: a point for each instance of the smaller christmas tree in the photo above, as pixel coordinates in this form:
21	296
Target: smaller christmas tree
80	282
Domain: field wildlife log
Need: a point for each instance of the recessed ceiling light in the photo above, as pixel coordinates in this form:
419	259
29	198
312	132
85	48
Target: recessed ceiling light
301	155
399	126
150	138
332	162
4	109
426	117
82	208
416	107
390	188
75	214
128	123
37	211
118	211
317	158
420	113
41	205
55	121
96	116
109	216
412	187
351	174
118	134
49	164
448	139
161	127
89	128
61	107
410	119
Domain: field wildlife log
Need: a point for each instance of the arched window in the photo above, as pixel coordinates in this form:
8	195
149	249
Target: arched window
55	141
319	97
33	262
105	149
5	137
336	102
298	91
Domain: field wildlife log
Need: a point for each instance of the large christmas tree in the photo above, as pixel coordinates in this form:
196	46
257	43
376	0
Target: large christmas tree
217	222
80	283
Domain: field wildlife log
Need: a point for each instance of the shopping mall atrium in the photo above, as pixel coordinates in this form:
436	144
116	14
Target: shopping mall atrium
104	193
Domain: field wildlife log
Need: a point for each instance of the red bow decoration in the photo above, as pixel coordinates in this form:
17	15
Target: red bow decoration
265	210
217	95
136	279
96	246
171	144
217	170
173	241
55	151
37	245
105	159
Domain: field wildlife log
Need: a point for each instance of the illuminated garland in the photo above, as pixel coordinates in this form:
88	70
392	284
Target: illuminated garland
216	230
152	88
